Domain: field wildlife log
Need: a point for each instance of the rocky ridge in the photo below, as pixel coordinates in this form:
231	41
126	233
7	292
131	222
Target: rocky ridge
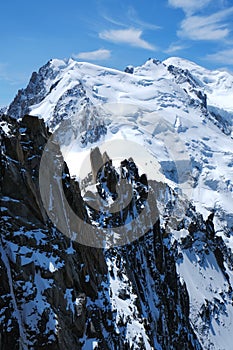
169	289
57	294
60	295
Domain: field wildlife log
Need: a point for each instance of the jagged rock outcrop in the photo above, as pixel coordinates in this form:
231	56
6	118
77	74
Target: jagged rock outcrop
182	76
57	294
129	69
35	92
44	293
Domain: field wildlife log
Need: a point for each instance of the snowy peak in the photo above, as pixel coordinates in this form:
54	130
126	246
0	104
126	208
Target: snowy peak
182	63
38	87
217	84
151	85
196	103
181	115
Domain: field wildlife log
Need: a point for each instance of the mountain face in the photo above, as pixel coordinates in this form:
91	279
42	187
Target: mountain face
196	103
60	88
169	287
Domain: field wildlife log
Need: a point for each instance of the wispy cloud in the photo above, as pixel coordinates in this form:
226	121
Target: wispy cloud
174	47
210	27
131	19
129	36
97	55
113	20
189	6
135	20
224	57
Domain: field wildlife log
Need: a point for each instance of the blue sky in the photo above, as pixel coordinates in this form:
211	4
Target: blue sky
113	33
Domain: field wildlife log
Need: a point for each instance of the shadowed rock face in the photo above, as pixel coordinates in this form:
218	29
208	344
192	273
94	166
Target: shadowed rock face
34	92
56	294
96	162
24	255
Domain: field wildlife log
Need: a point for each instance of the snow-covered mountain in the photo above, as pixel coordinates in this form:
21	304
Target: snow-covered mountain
170	289
196	102
59	86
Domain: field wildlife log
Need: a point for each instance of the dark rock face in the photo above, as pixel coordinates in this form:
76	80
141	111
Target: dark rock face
217	118
57	294
34	93
96	162
68	102
129	69
183	75
42	306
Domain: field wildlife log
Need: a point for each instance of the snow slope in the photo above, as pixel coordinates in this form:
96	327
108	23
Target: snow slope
73	88
149	87
181	114
173	91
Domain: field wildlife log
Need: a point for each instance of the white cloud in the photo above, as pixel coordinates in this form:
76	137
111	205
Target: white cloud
189	6
129	36
174	47
209	27
97	55
224	57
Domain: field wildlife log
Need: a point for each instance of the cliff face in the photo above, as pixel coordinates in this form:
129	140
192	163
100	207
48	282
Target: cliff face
58	294
44	293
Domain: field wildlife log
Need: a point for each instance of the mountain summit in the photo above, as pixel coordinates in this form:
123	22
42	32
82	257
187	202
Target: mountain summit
195	101
168	288
59	88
